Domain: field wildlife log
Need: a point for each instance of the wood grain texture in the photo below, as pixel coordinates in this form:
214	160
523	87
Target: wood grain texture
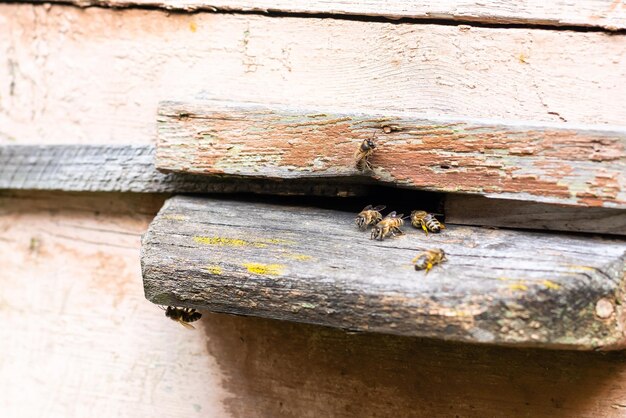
608	14
477	210
64	83
130	168
72	312
548	163
313	266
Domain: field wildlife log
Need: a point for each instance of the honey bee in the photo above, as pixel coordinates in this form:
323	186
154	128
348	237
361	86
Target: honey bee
182	315
361	156
369	216
429	258
390	225
426	221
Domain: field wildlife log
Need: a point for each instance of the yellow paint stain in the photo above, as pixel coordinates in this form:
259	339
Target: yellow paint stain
175	217
518	287
551	285
268	269
236	242
227	242
213	269
522	58
298	257
193	26
278	241
575	266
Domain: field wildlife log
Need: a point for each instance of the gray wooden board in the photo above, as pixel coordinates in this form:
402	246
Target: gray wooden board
313	266
129	168
483	211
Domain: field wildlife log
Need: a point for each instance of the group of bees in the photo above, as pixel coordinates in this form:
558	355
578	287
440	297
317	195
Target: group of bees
390	226
369	216
381	229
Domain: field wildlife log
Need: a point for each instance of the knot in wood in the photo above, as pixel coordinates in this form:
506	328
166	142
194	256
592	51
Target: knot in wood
604	308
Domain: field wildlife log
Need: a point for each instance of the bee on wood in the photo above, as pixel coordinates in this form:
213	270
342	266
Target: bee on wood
182	315
426	221
390	225
361	156
429	258
369	216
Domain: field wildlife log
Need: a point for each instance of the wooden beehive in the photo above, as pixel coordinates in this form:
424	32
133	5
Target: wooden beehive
507	119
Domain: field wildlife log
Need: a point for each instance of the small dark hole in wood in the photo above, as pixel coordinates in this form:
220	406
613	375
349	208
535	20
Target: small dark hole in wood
445	166
183	115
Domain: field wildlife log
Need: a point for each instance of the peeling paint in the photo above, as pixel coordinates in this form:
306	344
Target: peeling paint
531	163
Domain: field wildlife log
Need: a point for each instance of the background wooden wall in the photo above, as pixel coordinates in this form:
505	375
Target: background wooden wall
77	337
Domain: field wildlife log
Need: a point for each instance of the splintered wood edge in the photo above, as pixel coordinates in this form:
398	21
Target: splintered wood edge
577	165
131	168
604	14
313	266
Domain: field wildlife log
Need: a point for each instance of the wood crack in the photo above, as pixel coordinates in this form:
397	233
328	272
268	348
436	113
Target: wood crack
379	17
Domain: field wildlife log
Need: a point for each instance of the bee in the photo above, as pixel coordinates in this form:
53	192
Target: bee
369	216
426	221
429	258
390	225
182	315
361	156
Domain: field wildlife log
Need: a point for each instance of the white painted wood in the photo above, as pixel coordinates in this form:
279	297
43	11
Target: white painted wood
96	75
78	337
609	14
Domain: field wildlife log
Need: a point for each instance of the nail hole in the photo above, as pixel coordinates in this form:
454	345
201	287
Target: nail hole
445	166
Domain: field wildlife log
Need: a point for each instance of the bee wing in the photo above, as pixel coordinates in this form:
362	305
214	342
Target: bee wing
398	216
186	325
162	307
379	208
391	214
368	207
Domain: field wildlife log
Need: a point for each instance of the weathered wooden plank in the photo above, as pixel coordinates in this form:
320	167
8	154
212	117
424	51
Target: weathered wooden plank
576	165
130	168
477	210
606	14
473	72
312	265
